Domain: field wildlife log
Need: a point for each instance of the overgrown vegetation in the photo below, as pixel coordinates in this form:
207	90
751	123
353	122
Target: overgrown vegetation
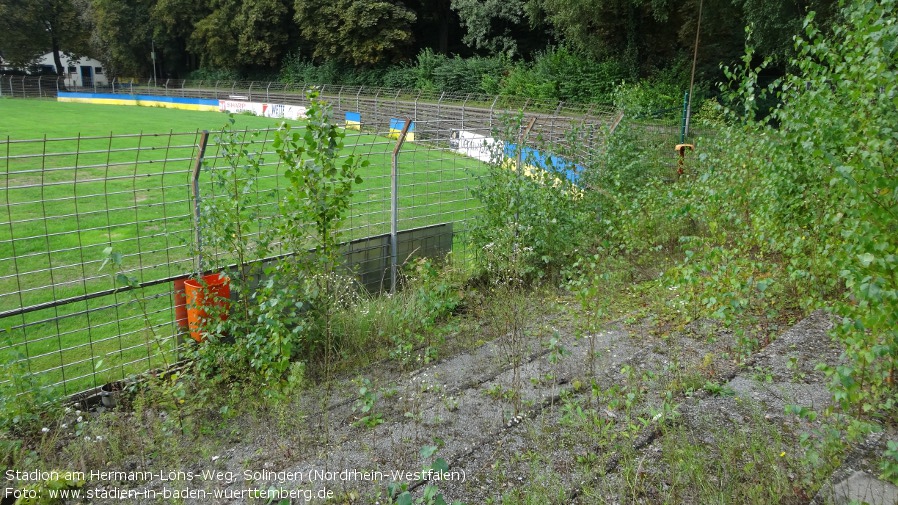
773	218
791	212
553	74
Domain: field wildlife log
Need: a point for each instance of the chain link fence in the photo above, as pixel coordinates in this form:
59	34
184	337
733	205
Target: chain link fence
67	327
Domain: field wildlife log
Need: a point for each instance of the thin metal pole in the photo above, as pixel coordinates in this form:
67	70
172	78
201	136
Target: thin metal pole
376	118
394	205
153	54
522	137
698	28
685	117
463	107
197	213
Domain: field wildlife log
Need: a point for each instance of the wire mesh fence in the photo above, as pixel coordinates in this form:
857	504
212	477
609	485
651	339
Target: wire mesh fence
379	101
68	327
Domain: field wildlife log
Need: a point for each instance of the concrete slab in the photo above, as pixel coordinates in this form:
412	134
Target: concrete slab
861	487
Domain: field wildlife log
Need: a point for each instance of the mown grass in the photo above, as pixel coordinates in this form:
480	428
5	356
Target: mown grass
67	199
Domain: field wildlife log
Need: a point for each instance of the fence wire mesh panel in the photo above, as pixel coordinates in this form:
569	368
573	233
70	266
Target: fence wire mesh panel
65	201
69	326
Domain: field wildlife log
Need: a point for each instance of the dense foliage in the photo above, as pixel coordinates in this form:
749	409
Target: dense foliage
778	214
789	213
608	39
533	219
286	306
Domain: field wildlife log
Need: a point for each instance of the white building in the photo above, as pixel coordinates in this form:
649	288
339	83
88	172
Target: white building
83	71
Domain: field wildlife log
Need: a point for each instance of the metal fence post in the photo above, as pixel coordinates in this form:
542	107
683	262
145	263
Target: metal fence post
375	119
522	137
417	97
394	205
195	186
464	106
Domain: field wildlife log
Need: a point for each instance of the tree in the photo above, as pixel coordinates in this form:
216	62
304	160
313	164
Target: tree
643	33
491	24
265	31
232	34
214	38
361	32
774	23
120	34
435	22
31	27
173	26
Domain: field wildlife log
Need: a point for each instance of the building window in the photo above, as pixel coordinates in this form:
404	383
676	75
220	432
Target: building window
99	70
73	70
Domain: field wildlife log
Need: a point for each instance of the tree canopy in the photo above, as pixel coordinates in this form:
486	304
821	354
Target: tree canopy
258	36
29	28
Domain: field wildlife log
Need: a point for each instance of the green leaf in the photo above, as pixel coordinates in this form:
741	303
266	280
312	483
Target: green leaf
428	451
440	465
867	259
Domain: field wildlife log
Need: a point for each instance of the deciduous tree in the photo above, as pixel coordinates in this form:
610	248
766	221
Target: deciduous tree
29	28
492	25
362	32
120	34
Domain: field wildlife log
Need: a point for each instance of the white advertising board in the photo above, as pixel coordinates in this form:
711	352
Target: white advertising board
475	145
263	109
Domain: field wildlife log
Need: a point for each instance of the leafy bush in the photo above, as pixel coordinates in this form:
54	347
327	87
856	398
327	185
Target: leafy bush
214	74
559	74
437	72
659	96
628	187
794	216
400	77
532	219
811	203
285	311
555	74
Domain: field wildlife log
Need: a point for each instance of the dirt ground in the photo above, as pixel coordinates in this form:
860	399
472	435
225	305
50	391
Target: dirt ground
529	418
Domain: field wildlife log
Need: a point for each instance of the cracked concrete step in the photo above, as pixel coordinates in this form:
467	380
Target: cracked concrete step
859	487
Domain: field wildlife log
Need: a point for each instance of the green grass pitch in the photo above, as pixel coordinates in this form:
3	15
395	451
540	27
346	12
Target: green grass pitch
65	200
